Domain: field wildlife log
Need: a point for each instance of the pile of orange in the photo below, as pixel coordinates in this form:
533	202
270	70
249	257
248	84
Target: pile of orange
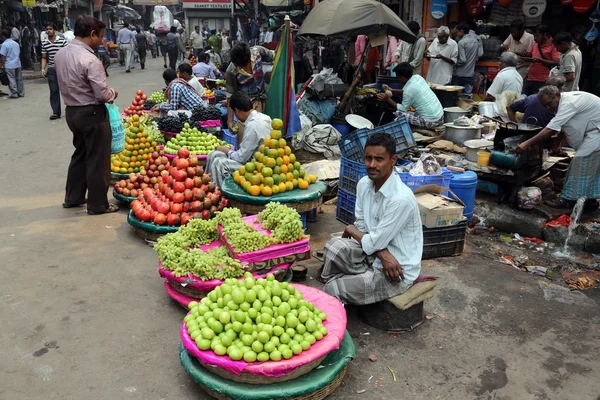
274	168
138	147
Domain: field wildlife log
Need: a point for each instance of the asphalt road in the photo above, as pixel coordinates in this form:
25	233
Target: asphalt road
84	315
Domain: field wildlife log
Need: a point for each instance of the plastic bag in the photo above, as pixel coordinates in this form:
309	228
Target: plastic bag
116	125
529	197
427	165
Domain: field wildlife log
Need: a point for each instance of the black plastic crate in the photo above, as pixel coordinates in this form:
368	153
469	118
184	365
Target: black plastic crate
352	145
344	210
445	241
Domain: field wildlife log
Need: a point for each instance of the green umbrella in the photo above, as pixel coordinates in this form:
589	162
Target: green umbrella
347	18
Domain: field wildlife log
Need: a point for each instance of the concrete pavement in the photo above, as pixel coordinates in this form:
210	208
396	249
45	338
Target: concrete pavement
84	315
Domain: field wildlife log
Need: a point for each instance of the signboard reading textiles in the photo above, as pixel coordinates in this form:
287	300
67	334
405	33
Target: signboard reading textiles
156	2
207	4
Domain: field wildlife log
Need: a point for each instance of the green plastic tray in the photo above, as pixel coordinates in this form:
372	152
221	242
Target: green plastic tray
324	379
150	227
118	176
123	199
233	191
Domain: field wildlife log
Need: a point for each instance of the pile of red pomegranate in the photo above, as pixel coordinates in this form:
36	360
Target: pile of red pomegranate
137	104
183	192
149	176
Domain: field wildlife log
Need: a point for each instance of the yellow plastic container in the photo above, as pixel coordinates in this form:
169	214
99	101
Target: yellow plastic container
483	158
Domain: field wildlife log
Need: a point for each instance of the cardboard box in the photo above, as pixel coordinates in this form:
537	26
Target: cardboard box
436	209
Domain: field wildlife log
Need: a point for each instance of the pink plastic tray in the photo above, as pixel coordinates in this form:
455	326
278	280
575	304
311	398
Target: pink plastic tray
335	324
173	156
268	253
169	133
213	123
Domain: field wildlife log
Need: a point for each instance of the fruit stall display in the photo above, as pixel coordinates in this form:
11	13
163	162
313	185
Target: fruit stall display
127	190
158	97
198	143
137	104
183	193
138	148
261	331
171	125
273	169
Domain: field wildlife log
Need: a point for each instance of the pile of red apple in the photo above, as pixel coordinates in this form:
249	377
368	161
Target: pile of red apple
137	104
183	193
149	176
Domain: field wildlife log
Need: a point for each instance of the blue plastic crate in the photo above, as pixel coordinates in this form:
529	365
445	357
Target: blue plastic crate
351	172
344	211
352	145
229	138
414	182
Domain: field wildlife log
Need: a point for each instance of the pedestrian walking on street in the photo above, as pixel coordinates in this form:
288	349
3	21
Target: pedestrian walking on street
153	43
50	46
545	56
470	48
570	61
173	47
197	42
10	62
82	82
181	42
126	41
164	47
141	46
103	55
26	37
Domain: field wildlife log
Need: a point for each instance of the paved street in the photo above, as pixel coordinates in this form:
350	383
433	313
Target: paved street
84	315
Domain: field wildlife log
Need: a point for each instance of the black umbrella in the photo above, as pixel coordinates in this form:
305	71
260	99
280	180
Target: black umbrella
347	18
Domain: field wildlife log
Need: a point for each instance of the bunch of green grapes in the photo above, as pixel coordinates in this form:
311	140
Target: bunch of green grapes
230	215
199	231
283	222
244	238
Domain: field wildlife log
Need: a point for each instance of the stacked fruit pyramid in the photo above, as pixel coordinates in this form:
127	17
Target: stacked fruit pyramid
184	192
274	168
138	147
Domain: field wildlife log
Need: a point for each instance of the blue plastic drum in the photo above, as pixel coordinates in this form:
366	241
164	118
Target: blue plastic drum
464	186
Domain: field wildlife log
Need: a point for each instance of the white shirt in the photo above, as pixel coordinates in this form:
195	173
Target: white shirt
195	83
390	218
403	51
507	80
578	117
440	72
256	128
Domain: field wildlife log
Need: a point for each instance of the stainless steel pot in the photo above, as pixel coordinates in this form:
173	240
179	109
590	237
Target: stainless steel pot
487	109
453	113
460	134
476	145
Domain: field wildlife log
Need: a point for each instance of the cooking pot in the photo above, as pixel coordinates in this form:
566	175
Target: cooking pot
453	113
487	109
476	145
459	134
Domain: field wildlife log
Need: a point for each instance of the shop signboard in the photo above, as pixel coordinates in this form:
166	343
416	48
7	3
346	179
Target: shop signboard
207	4
474	7
582	6
534	8
439	8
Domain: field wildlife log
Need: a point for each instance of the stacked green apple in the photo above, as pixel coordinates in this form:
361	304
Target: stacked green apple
198	143
255	320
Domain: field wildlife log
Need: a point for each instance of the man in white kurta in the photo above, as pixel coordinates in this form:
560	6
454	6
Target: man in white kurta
222	162
443	54
378	257
507	80
578	117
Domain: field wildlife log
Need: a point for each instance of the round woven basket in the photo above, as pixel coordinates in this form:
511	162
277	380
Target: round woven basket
245	377
305	157
122	198
152	236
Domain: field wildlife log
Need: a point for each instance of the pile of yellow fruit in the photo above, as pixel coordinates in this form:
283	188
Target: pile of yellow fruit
138	147
209	93
273	169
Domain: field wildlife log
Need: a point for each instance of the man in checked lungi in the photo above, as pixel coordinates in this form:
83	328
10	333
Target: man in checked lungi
378	257
578	119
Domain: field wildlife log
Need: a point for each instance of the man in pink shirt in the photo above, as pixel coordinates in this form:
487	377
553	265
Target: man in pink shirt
545	56
82	82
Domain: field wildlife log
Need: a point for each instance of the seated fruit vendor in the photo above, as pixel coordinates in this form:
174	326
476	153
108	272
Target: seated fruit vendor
578	119
179	93
204	68
245	73
417	94
507	80
222	162
184	71
378	257
533	111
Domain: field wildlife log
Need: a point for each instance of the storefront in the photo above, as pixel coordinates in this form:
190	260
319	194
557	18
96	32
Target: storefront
211	14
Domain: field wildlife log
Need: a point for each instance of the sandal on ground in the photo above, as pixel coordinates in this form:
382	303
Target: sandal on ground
559	202
69	205
54	116
319	276
111	209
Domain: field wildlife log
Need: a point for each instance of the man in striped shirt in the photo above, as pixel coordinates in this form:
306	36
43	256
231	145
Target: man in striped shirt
49	48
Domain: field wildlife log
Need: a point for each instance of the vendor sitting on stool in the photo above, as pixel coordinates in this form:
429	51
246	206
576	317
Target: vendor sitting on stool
222	162
578	119
507	80
417	94
180	94
533	111
378	257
